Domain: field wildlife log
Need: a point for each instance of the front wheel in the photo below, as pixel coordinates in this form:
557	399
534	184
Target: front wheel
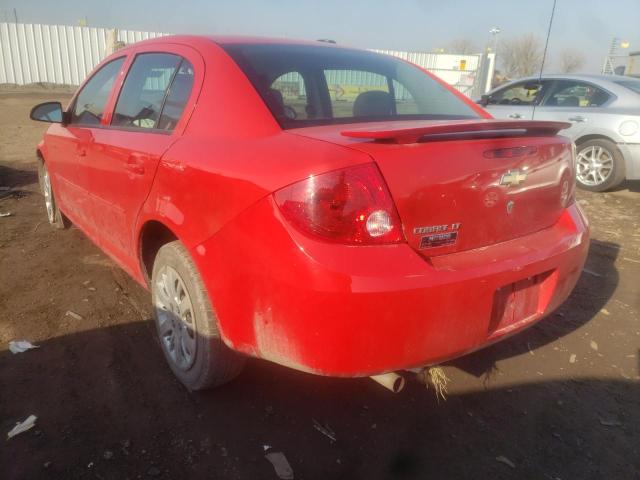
186	323
54	215
599	165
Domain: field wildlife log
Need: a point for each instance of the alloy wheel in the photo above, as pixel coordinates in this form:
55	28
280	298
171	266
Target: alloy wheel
175	317
594	165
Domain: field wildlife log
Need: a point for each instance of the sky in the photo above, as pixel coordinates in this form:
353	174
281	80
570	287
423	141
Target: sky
416	25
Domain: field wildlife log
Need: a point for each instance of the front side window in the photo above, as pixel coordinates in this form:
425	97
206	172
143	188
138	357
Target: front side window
572	94
89	105
143	93
317	85
526	93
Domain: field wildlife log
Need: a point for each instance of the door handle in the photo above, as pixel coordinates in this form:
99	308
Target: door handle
577	118
135	165
515	115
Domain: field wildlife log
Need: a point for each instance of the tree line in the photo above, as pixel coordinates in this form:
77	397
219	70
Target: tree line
522	56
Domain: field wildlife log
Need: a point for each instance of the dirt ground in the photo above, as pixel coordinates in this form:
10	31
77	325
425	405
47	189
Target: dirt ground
559	401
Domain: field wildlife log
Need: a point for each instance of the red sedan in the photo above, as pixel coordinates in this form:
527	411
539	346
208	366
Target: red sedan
334	210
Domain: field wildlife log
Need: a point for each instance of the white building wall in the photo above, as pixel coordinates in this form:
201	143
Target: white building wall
62	54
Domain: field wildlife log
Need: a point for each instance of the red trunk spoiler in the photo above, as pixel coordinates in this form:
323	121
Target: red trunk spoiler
414	131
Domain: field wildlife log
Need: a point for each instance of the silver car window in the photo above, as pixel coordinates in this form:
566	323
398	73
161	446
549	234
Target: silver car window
576	94
522	93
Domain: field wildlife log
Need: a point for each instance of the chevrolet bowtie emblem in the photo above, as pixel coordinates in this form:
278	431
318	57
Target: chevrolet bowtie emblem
513	178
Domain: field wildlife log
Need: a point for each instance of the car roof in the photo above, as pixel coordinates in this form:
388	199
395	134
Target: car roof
230	39
595	78
607	81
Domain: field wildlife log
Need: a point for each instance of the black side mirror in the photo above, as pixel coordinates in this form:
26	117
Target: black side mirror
48	112
484	100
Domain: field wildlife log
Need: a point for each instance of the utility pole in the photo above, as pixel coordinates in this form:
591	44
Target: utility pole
495	31
490	60
15	15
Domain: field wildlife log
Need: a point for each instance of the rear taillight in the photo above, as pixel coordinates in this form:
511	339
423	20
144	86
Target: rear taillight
351	206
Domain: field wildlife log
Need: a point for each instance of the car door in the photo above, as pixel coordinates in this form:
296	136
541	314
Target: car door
147	115
68	143
573	101
516	101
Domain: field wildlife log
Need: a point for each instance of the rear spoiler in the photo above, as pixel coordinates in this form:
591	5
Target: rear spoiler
415	131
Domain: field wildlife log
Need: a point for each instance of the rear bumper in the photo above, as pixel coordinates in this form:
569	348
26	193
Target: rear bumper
355	311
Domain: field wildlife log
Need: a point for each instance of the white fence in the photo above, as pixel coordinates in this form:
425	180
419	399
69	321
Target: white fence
59	54
467	73
31	53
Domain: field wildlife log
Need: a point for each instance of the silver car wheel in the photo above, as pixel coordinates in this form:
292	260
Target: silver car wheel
48	194
175	317
594	165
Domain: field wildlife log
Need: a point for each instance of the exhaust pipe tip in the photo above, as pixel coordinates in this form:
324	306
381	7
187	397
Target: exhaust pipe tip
391	381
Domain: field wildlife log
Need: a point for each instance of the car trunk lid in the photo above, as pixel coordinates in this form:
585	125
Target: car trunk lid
466	184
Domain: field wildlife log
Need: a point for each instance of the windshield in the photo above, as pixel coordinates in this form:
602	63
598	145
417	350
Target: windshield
630	84
317	85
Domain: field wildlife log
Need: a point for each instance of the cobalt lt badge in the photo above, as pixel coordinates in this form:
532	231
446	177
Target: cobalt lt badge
438	235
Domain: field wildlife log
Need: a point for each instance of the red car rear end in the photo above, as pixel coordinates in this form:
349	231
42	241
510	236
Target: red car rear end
332	210
481	252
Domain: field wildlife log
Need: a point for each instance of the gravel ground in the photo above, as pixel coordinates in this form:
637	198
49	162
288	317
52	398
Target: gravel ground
561	400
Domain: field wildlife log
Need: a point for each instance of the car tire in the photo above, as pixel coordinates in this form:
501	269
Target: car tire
187	324
54	215
609	174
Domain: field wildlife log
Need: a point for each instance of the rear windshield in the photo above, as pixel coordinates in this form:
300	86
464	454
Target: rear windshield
630	84
307	85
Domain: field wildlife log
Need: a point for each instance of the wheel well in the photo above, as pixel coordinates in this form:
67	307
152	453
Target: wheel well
586	138
153	236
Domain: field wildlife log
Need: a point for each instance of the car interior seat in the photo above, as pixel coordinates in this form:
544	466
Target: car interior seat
374	103
598	98
275	101
552	102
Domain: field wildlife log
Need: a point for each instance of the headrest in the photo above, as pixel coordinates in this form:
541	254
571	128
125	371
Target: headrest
374	103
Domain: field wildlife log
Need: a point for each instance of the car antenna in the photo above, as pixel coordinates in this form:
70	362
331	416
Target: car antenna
544	54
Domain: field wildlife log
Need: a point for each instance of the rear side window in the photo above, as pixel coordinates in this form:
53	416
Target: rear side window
306	85
90	102
633	85
574	94
177	97
146	91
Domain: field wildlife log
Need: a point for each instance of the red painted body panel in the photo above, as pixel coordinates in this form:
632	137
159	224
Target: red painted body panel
440	183
345	310
324	307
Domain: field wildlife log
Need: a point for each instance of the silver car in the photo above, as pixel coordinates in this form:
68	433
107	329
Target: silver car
604	111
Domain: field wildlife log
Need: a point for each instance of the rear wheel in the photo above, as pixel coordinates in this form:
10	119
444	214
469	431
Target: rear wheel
54	215
186	324
600	165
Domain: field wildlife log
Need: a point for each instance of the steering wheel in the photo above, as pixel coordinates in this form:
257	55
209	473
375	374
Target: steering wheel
515	101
